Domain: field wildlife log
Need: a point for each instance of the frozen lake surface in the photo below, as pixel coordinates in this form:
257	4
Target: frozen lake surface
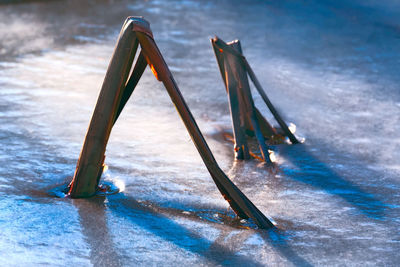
330	67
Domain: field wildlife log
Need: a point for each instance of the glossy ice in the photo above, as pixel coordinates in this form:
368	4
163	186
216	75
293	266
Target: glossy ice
331	67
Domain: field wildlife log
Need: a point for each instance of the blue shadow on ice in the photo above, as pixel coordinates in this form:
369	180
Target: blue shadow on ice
93	220
159	221
278	240
151	220
310	170
154	219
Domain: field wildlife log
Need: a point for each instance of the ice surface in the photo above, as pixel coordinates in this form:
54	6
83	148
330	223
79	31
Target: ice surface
330	67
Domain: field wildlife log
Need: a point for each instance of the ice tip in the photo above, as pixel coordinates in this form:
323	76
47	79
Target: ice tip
138	19
234	42
214	39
